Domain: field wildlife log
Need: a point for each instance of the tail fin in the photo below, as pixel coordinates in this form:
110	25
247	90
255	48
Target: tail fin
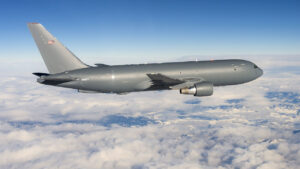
56	57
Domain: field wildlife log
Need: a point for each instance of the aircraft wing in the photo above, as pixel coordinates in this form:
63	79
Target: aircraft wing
162	81
190	82
160	78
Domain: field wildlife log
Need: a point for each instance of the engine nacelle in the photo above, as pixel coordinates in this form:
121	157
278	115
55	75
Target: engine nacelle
199	89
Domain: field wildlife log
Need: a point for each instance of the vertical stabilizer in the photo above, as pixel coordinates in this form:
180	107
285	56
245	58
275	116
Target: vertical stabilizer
56	56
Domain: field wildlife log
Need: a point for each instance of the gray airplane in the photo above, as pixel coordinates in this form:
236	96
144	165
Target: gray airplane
195	77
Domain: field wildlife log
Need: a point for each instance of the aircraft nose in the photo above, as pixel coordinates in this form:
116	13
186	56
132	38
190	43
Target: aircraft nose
259	72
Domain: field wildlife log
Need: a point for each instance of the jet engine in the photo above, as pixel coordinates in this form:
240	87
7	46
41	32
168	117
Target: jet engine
199	89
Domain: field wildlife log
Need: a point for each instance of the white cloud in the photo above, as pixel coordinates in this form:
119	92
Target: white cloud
238	127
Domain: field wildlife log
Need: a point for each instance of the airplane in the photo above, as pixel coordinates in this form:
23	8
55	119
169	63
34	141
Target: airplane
196	78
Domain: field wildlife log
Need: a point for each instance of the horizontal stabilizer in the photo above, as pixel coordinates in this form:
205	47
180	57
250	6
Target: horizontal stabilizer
41	74
54	79
53	82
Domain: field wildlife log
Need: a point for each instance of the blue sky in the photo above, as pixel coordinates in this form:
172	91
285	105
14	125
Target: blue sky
137	31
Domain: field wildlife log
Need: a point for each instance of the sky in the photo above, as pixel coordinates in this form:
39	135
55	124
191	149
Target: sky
252	125
117	32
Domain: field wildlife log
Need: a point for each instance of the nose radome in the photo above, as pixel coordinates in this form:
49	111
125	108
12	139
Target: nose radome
259	72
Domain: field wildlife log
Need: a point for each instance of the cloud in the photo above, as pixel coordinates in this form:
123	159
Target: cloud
254	125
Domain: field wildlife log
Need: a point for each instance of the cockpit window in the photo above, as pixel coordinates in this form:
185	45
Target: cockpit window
255	67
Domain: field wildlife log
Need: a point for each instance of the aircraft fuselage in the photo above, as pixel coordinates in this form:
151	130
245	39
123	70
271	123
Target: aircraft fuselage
132	78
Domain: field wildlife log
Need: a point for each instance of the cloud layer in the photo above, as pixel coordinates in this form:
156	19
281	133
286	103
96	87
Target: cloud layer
255	125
